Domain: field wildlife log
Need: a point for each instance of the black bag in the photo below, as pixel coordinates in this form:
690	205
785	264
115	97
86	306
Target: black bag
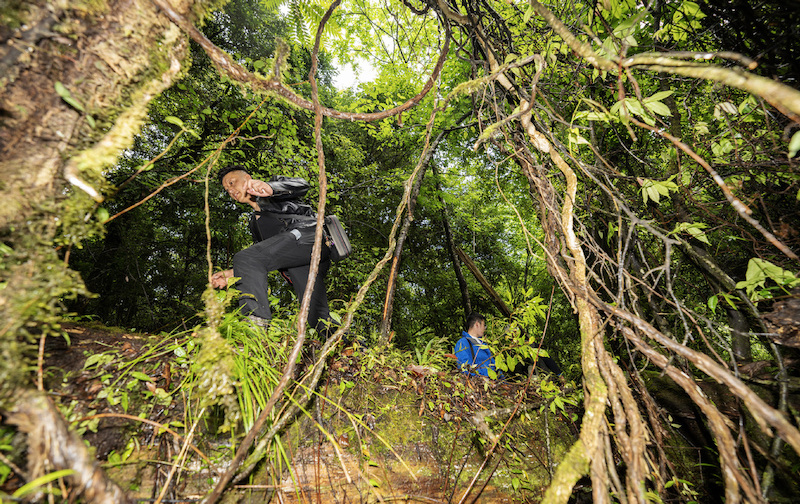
335	236
337	239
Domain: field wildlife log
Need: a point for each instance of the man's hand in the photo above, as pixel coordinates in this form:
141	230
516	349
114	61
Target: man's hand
219	280
258	188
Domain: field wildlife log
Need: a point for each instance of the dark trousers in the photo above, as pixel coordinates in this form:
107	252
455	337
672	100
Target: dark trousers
543	364
289	251
548	365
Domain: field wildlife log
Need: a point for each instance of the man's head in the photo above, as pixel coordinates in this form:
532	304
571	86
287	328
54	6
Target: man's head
229	168
476	324
234	179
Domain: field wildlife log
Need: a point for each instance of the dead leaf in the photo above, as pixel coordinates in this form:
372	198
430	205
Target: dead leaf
128	350
167	376
94	387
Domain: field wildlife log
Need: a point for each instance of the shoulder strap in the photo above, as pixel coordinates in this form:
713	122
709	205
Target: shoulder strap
471	350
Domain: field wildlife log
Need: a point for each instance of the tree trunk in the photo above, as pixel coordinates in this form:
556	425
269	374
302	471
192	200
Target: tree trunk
388	305
496	298
71	102
451	249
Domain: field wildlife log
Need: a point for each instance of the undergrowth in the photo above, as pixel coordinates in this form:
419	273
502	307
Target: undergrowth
159	387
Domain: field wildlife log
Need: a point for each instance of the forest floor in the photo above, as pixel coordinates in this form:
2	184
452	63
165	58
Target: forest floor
377	429
80	388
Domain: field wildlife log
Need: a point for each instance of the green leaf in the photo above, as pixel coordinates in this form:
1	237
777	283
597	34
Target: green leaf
174	120
574	136
114	458
102	214
693	228
41	481
794	144
758	271
528	14
712	303
97	359
65	95
697	233
664	188
658	108
141	376
654	189
659	96
61	90
651	496
652	193
597	116
511	363
500	362
634	107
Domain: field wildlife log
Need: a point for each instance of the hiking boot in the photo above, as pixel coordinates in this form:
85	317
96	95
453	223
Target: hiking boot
257	323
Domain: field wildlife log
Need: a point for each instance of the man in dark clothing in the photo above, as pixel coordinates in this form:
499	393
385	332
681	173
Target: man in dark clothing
283	237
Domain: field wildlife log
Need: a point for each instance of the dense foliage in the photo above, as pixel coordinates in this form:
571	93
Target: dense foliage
148	270
624	175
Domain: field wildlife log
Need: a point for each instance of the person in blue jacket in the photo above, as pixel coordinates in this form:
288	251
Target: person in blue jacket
474	357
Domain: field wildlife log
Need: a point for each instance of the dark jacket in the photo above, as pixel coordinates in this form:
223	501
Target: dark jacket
283	211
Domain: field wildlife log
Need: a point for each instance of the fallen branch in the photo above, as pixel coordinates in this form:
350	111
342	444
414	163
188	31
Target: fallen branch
52	446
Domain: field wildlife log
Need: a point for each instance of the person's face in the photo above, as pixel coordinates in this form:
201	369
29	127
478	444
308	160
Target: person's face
235	183
478	328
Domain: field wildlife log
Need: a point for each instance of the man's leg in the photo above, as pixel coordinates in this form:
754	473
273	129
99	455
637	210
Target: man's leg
547	364
251	265
318	312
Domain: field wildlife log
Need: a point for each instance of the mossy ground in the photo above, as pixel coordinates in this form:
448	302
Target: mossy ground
375	428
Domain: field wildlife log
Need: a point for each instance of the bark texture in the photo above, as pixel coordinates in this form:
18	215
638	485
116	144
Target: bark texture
112	59
75	82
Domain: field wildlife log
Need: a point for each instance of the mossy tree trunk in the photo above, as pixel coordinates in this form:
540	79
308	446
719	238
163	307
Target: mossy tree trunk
76	79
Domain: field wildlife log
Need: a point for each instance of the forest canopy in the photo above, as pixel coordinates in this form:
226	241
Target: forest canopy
616	179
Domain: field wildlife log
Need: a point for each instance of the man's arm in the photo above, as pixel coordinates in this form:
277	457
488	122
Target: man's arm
463	353
284	188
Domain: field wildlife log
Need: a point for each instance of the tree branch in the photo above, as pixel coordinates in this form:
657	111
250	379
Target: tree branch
227	66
